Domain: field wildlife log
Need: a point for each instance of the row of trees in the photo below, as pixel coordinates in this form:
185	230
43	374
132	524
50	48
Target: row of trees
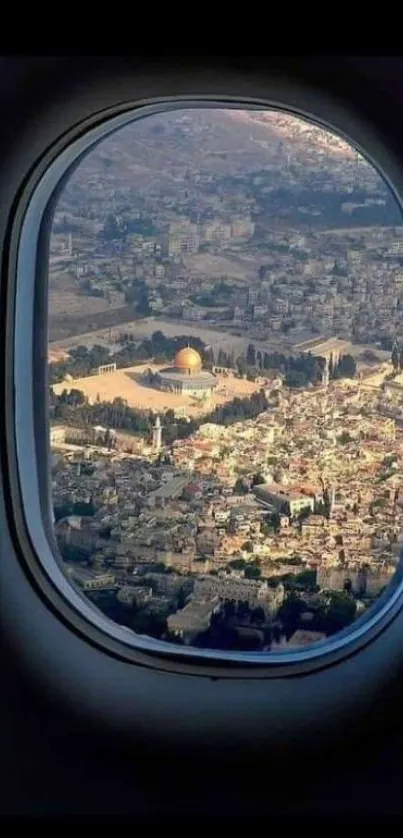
299	371
73	408
335	611
116	228
78	508
220	295
397	358
308	367
136	295
330	205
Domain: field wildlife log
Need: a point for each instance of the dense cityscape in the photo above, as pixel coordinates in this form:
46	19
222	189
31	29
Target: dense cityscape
226	394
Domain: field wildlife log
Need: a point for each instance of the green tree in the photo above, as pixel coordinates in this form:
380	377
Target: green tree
295	379
347	367
258	615
81	508
110	229
240	487
241	365
339	612
306	579
142	305
258	479
252	571
344	438
237	564
290	612
251	355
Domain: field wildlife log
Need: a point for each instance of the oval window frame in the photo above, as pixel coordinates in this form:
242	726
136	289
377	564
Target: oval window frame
23	262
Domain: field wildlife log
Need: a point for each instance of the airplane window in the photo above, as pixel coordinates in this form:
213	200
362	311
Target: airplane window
226	380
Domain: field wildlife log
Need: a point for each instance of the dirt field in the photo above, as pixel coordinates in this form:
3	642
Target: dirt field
71	311
70	304
144	328
126	384
206	264
375	380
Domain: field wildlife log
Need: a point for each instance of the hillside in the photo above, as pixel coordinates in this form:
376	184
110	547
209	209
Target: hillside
157	153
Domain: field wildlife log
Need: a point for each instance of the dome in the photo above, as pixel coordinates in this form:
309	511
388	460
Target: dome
188	360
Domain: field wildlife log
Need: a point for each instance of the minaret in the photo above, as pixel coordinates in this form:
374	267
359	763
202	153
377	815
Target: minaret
157	434
332	498
70	244
325	374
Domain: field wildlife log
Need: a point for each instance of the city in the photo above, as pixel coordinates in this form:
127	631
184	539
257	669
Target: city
226	395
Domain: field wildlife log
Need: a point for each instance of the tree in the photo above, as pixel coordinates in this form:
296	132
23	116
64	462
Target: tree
209	356
306	579
240	487
347	367
339	612
62	511
273	519
252	571
76	397
295	379
258	479
71	553
344	438
222	359
237	564
251	355
142	303
290	612
110	229
229	609
241	365
81	508
181	599
258	615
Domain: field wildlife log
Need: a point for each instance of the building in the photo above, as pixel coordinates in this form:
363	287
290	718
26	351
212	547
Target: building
157	434
131	595
288	502
253	591
186	376
242	228
78	531
364	579
194	618
330	348
96	582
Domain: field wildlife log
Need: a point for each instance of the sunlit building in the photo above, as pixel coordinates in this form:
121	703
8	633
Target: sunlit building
186	376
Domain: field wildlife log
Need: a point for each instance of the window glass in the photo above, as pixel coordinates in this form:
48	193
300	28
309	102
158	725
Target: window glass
226	380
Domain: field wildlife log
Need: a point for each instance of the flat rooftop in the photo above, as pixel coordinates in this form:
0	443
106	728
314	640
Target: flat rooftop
318	345
171	488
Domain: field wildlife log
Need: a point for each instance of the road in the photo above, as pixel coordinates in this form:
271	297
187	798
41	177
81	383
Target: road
141	329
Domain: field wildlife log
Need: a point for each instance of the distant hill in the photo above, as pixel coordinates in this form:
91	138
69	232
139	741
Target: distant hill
160	151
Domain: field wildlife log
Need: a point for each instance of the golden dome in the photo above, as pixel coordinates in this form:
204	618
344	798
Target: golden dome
188	360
